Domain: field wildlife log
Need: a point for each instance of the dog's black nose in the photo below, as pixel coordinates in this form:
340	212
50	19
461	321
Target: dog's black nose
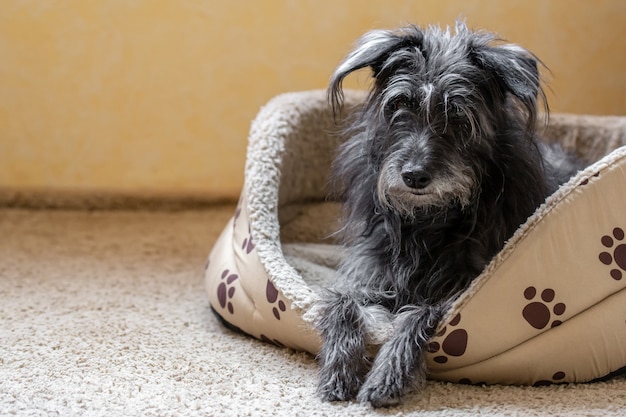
416	179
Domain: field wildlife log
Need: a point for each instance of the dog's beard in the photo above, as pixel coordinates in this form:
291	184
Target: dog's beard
452	188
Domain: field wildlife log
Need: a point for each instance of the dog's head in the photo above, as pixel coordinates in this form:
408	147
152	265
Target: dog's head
438	103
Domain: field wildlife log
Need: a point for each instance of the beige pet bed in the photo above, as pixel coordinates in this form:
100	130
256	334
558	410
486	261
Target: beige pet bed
550	307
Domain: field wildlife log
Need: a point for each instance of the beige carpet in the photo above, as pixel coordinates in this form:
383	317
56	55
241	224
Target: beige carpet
104	313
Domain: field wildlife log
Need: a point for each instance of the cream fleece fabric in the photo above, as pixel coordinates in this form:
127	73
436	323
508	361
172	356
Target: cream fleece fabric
104	313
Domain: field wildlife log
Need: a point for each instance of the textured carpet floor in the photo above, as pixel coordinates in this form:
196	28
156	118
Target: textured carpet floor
104	313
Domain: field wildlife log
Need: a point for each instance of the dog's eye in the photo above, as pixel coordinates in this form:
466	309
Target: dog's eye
458	113
402	104
399	104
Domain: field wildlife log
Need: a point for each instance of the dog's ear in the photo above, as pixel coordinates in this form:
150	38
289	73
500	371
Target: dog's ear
514	66
516	70
371	50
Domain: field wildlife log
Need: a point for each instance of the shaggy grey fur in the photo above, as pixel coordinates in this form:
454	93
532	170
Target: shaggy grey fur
440	166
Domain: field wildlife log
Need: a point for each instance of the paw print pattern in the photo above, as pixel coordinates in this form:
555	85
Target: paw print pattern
618	257
556	378
225	292
537	313
454	344
273	341
467	381
247	244
586	180
271	293
236	216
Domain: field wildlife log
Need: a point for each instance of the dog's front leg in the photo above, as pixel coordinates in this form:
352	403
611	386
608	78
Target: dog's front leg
400	363
343	361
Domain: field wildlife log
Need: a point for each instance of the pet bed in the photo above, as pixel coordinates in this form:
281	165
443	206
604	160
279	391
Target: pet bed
550	307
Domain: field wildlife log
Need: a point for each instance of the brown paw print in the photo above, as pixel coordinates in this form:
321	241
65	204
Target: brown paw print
271	293
248	245
454	344
586	180
619	253
226	293
557	377
273	341
537	313
467	381
236	216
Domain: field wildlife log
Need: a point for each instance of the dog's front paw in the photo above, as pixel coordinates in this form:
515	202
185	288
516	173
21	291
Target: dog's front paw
380	390
338	385
389	379
378	396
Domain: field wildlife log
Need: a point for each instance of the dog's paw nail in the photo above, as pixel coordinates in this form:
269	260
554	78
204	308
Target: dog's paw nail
337	392
379	401
377	398
336	396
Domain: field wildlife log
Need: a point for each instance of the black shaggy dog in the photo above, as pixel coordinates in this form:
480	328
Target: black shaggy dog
441	165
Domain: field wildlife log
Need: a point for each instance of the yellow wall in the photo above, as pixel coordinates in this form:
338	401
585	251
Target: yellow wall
158	95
